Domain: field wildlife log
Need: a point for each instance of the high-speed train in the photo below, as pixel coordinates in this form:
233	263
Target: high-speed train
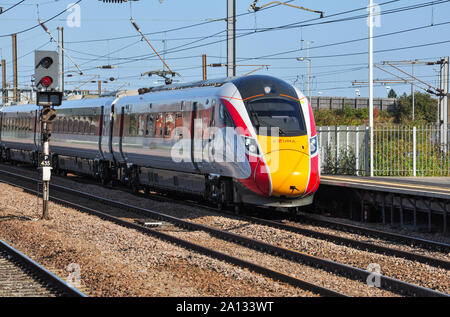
246	140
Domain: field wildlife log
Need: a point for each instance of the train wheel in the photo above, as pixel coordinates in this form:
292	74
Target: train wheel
294	210
237	209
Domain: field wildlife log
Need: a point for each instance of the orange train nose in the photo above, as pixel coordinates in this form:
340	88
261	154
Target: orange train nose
289	170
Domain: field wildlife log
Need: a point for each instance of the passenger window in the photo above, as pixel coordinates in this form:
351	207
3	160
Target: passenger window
224	117
75	125
94	126
178	119
150	125
170	124
159	125
133	123
141	125
70	126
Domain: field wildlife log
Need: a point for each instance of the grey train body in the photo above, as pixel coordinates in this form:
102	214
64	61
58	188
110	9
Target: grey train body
131	139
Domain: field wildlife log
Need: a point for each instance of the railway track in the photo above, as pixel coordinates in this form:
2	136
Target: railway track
20	276
354	273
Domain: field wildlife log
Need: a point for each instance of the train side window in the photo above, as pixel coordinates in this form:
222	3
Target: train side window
224	116
150	125
178	119
159	125
170	124
93	128
141	125
89	126
70	126
133	123
64	125
76	122
56	125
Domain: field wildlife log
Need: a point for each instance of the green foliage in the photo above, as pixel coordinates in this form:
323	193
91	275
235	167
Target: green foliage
425	112
342	164
425	109
393	152
392	94
346	116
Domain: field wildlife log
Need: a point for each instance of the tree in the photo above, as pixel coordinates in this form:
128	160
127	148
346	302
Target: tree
392	94
425	108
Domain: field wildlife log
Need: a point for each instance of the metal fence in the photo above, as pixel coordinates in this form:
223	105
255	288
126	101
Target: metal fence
398	150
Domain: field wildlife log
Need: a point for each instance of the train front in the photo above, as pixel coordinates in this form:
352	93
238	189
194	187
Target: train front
277	124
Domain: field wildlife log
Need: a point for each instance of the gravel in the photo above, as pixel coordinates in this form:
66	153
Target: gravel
406	270
117	261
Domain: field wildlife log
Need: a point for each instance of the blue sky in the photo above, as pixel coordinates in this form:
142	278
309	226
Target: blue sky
182	31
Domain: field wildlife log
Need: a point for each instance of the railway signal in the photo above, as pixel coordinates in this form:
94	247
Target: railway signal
49	93
46	72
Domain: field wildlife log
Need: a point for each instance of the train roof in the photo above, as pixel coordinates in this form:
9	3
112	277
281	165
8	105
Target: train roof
78	103
247	85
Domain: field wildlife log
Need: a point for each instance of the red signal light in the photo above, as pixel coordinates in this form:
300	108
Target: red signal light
46	81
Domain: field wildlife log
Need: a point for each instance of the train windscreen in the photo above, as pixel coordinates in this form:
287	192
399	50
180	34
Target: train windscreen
278	113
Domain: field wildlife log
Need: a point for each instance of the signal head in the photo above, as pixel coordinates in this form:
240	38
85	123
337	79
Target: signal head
46	81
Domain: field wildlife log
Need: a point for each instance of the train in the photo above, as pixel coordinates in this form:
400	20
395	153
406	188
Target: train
235	141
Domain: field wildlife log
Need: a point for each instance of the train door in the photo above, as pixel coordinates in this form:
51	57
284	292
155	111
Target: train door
196	136
106	128
1	127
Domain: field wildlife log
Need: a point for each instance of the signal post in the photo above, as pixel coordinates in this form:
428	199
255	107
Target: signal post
49	94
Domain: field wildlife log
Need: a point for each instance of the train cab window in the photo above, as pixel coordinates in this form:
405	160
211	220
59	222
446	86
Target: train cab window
170	124
278	113
150	125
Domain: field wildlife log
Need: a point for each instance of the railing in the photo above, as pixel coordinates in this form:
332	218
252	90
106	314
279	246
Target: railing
398	150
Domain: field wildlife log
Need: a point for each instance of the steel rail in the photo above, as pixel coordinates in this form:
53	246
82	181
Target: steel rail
428	244
395	237
361	245
387	283
45	277
186	244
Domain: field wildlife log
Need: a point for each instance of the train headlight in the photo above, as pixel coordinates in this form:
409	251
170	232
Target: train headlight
251	145
313	145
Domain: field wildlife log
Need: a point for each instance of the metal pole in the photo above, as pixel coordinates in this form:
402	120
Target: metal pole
231	38
444	102
14	45
99	88
46	171
309	71
4	96
204	66
412	93
371	84
61	58
414	151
